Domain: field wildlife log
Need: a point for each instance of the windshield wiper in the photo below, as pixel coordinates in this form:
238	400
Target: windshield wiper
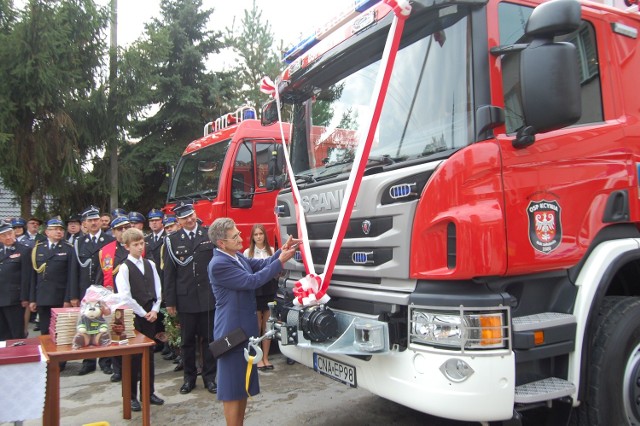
304	178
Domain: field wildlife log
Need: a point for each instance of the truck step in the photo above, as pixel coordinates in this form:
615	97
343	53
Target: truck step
542	320
543	390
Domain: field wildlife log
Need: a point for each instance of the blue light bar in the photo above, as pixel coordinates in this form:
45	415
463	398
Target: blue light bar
359	6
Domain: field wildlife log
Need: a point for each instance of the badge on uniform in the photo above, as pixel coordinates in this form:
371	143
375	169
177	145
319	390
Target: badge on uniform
13	256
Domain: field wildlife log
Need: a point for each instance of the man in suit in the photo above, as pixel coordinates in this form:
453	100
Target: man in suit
15	278
86	250
189	295
56	273
111	256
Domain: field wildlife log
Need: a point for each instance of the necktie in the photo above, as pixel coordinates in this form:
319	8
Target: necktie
157	238
94	239
192	235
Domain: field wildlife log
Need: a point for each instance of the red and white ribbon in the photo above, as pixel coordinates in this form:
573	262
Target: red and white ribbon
267	86
312	288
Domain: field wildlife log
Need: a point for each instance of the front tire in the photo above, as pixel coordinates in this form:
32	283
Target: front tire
612	396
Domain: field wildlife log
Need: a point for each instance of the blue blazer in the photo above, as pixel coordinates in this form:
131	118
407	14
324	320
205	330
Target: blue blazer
234	289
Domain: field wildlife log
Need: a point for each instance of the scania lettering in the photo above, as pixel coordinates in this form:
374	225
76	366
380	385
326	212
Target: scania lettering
492	258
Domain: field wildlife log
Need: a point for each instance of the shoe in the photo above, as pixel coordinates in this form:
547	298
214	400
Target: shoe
262	368
116	377
268	367
166	350
179	367
155	400
170	356
135	405
177	359
187	387
85	369
107	370
36	327
290	361
212	387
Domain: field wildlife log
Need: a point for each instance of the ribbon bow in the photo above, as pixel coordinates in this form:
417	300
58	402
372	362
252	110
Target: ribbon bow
307	291
267	86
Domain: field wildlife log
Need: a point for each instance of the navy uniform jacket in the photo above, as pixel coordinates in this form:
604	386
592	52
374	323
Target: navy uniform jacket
15	274
52	286
152	250
187	286
86	250
234	288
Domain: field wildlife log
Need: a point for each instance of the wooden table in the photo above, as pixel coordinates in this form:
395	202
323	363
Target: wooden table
138	345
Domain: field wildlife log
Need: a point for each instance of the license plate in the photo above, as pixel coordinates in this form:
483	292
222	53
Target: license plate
336	370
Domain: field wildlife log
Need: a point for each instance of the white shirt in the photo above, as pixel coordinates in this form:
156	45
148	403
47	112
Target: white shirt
124	286
258	253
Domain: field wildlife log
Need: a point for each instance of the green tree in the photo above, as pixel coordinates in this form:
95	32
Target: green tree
50	59
256	57
169	67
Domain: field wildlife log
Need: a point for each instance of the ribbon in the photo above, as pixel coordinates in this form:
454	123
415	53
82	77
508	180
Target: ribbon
248	375
312	288
267	87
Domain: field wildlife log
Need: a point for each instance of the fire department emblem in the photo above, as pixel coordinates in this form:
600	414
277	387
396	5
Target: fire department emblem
107	263
545	225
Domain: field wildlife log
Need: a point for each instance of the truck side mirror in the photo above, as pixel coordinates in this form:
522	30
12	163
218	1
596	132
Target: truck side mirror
269	113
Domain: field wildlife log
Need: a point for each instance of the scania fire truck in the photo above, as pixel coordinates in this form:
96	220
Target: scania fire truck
491	263
234	171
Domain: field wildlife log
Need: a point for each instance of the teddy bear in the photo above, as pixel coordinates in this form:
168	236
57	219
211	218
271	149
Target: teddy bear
92	328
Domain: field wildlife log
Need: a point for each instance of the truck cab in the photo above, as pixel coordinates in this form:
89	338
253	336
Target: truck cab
234	170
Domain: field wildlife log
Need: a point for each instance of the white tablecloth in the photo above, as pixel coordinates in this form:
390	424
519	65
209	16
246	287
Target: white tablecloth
22	390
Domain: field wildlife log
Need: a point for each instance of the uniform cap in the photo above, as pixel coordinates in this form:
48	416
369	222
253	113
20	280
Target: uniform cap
118	212
182	209
135	217
36	219
91	212
120	221
74	218
17	222
169	220
155	214
55	221
5	226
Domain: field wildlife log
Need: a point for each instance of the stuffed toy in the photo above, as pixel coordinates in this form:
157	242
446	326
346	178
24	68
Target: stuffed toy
92	328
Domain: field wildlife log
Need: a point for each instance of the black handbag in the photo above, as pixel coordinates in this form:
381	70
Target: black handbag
224	344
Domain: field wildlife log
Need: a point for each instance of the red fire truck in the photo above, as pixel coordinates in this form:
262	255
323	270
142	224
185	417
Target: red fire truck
492	261
234	171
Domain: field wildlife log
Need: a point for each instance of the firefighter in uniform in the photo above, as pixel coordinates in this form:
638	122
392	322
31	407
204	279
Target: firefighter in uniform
15	278
86	250
137	220
153	246
56	273
111	256
188	294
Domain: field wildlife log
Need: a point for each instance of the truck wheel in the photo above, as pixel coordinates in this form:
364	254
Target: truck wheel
612	394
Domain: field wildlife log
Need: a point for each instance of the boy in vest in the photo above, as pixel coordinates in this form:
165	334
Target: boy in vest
138	280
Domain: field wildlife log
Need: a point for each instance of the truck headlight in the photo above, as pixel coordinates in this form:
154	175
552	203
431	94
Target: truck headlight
464	330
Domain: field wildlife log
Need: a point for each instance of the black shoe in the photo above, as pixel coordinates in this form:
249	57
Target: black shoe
154	400
116	377
179	367
166	350
177	360
212	387
85	369
290	361
107	370
170	356
187	387
135	405
36	327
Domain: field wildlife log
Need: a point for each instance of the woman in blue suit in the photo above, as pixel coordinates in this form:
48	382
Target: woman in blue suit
234	279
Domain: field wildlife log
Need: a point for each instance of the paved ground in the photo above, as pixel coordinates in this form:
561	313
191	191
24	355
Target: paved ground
291	395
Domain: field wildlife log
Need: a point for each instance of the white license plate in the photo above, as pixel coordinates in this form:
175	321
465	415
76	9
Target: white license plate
343	373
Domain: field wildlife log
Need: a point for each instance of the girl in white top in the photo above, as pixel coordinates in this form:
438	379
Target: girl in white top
259	248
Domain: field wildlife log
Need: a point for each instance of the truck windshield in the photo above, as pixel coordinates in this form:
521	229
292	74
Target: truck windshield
427	112
198	173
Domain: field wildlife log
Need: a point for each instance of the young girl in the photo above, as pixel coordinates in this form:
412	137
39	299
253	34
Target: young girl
259	248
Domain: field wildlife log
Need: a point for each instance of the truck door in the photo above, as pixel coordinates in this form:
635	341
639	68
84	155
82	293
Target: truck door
556	189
